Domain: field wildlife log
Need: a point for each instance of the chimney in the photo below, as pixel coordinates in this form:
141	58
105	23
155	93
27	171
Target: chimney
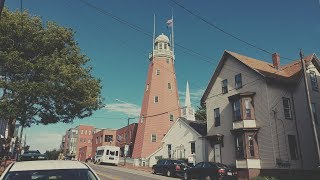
276	60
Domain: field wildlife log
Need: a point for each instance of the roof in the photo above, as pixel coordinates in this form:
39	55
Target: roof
47	165
287	73
199	126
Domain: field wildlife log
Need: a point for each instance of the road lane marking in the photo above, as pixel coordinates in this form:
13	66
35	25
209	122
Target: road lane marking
107	176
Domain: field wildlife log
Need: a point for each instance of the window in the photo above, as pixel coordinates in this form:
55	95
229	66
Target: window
153	138
158	72
313	79
216	117
314	112
193	147
107	153
156	99
97	140
81	139
171	117
247	103
169	151
293	147
108	138
237	110
89	133
101	139
81	131
160	45
287	108
85	132
168	60
251	145
165	46
238	81
84	139
89	141
224	84
169	85
147	87
76	131
239	147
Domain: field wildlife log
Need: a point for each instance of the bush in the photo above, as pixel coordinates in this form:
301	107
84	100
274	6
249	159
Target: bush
264	178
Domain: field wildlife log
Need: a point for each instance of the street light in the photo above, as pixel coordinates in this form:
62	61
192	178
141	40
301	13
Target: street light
126	137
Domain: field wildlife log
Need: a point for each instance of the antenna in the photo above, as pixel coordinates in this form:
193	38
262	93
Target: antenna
154	34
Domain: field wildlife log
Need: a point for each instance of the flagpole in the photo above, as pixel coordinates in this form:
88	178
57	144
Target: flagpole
154	34
172	32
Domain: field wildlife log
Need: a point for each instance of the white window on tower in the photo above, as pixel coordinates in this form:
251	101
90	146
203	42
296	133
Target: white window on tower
169	85
156	99
147	87
153	138
171	117
158	72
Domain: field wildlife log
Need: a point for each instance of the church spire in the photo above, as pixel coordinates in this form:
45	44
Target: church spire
187	100
188	111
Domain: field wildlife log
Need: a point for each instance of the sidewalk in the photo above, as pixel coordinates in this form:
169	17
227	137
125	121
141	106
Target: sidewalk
140	168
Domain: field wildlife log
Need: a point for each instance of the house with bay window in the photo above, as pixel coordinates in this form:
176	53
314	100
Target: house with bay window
257	115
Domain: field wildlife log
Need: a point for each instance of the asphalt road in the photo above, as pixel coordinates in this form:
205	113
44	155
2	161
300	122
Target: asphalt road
107	172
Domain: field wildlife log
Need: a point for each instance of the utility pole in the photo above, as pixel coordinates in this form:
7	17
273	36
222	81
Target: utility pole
309	106
127	144
1	6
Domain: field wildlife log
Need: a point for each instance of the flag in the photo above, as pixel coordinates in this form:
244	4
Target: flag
170	23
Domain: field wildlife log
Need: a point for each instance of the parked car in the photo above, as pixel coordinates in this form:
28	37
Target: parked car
32	157
52	169
32	152
170	167
210	170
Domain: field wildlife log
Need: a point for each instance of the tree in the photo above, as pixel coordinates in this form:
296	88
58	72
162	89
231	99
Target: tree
53	154
44	78
201	113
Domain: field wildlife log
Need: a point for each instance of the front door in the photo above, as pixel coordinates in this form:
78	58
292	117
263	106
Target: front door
217	153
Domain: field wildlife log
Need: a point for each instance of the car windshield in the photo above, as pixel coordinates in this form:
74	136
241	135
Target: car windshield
33	158
60	174
31	152
219	165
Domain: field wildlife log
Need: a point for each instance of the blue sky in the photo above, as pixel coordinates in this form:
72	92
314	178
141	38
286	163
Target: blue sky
119	54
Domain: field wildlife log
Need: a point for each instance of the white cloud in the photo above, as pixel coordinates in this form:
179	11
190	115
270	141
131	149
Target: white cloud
125	108
44	141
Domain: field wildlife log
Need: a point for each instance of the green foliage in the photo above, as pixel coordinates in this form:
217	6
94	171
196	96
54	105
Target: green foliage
201	113
264	178
43	74
53	154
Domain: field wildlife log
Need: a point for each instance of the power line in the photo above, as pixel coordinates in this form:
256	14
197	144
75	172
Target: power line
222	30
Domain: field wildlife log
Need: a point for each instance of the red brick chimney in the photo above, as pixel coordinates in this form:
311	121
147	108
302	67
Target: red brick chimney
276	60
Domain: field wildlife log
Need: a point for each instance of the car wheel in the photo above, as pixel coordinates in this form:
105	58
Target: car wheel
185	176
169	174
153	171
208	178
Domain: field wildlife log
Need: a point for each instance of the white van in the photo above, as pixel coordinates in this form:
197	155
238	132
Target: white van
107	154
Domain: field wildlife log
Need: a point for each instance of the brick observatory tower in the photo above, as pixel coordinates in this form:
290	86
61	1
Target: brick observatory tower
160	106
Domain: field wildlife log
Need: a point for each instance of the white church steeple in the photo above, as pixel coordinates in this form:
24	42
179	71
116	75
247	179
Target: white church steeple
188	111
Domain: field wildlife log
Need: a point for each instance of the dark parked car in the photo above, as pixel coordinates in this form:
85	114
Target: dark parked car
33	157
210	170
170	167
32	152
